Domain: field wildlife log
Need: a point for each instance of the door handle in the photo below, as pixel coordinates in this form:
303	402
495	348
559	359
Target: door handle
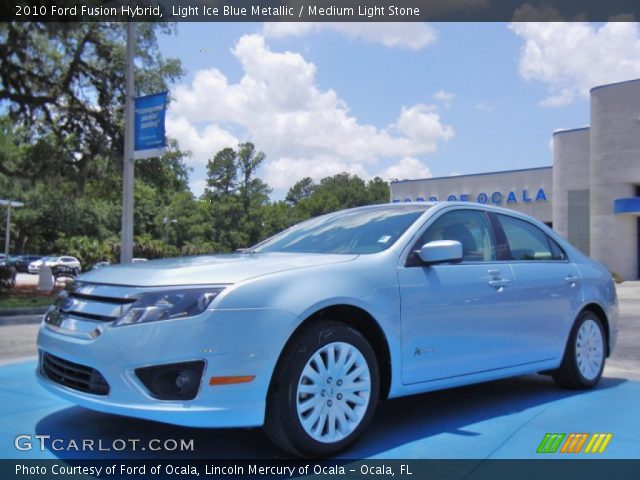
499	283
571	280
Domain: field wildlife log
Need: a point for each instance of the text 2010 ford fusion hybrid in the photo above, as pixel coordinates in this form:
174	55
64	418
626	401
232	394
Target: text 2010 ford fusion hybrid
306	331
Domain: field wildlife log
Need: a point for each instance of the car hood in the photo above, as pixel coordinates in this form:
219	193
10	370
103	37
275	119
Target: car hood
209	269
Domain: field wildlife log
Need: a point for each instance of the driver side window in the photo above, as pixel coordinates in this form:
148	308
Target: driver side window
470	228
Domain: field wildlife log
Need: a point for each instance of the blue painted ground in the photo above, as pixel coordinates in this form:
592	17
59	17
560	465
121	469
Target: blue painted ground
503	420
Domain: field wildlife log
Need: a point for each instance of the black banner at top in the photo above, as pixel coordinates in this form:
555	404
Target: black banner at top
320	10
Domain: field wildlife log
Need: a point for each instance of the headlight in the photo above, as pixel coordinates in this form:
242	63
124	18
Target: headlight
167	305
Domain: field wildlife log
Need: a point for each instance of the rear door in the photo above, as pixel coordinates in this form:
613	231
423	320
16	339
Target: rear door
456	318
546	290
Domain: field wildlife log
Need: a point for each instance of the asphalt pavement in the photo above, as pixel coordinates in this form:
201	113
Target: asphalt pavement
505	419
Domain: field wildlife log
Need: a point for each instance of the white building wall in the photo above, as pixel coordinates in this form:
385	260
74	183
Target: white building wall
614	174
603	159
570	173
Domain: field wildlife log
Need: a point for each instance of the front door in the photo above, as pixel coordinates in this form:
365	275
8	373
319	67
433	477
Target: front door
456	318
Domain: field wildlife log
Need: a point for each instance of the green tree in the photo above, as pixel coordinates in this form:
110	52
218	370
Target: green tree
61	131
302	189
349	190
64	82
236	196
378	191
278	216
253	191
222	173
335	193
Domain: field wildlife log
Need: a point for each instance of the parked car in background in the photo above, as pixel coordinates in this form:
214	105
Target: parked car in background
305	332
72	262
22	262
138	260
9	261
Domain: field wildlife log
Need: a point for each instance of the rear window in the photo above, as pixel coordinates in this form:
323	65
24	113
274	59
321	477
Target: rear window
527	242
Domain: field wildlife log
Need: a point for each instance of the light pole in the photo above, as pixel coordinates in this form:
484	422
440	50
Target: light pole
166	222
126	242
9	204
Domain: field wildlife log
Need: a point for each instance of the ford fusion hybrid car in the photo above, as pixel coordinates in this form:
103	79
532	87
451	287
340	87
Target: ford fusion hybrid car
305	332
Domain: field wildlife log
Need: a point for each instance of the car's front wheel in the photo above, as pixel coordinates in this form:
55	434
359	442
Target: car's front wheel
584	355
324	391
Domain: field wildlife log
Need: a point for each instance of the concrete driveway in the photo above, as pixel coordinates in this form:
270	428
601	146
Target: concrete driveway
505	419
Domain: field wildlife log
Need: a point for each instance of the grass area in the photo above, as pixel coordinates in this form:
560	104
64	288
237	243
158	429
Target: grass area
23	302
20	297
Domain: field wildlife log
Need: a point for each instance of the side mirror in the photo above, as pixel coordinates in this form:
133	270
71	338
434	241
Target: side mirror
441	251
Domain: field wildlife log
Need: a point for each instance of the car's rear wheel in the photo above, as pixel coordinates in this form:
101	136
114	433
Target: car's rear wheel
324	391
585	353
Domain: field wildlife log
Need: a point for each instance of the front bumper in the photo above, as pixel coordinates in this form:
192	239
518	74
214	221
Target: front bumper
231	342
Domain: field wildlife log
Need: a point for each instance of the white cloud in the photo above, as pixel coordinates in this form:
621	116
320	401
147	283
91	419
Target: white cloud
305	131
485	106
410	35
561	99
445	97
406	168
572	58
202	145
283	172
423	129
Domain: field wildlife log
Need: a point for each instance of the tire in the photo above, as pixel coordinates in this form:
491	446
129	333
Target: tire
584	355
315	409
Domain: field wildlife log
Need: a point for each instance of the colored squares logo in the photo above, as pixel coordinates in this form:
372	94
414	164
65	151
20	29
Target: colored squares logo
574	443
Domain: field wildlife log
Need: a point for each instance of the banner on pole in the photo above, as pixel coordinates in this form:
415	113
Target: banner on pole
150	138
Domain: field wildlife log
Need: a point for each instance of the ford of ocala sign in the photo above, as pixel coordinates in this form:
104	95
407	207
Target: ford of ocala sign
496	198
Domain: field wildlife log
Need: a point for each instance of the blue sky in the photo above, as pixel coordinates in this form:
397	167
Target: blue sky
396	100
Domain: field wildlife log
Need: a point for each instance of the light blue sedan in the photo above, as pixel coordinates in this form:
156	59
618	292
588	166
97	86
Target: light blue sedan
307	331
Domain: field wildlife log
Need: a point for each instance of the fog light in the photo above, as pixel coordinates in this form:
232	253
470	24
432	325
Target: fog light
187	382
175	381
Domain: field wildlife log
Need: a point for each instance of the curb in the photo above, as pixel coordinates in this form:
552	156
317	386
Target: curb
12	312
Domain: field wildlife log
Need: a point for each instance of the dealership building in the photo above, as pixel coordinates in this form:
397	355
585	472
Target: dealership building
591	194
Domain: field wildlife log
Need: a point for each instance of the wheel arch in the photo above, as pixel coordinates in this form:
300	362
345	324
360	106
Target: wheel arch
601	313
364	323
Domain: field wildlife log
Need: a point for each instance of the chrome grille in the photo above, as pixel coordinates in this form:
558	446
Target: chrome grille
95	302
74	375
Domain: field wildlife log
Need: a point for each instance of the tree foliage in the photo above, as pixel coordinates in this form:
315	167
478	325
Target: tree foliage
302	189
61	131
61	149
236	196
63	84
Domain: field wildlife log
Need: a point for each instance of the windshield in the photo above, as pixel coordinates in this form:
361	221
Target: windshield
358	231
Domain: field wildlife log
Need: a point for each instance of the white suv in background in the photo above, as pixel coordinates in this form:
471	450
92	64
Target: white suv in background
73	262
